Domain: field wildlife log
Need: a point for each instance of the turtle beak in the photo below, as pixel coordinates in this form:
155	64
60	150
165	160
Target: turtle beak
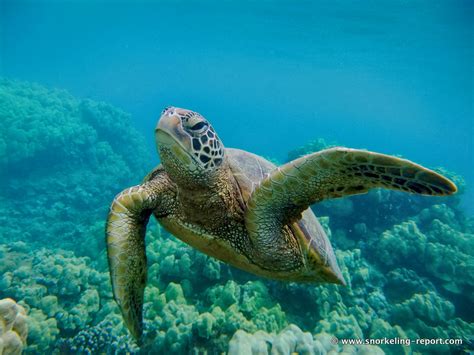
169	122
169	129
169	133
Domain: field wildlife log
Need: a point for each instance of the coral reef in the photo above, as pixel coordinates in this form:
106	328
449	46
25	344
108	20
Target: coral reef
13	327
62	292
408	264
98	339
65	159
186	313
293	340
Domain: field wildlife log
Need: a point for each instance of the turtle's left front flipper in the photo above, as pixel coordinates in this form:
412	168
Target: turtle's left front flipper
290	189
125	238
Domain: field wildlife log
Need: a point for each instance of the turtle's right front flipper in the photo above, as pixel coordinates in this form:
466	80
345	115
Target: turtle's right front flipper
125	238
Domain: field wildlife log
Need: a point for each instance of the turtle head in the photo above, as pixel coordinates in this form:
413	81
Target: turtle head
189	148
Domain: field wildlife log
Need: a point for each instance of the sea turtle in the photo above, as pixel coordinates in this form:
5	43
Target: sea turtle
240	208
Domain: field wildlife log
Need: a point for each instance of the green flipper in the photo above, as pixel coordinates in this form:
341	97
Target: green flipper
125	238
290	189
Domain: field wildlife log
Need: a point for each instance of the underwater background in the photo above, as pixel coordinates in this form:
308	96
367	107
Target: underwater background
82	85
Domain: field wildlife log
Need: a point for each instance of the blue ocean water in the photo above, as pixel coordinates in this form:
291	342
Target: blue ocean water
390	76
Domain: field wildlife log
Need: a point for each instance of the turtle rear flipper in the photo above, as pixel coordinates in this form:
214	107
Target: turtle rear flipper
287	191
125	238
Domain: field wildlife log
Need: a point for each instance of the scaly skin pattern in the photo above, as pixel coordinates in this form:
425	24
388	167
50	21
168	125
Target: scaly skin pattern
211	219
125	239
238	208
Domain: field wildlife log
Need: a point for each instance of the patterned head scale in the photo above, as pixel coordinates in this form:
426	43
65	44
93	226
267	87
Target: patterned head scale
187	142
206	145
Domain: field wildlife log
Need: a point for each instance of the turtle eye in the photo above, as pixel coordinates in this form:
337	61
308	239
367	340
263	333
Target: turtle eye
200	126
